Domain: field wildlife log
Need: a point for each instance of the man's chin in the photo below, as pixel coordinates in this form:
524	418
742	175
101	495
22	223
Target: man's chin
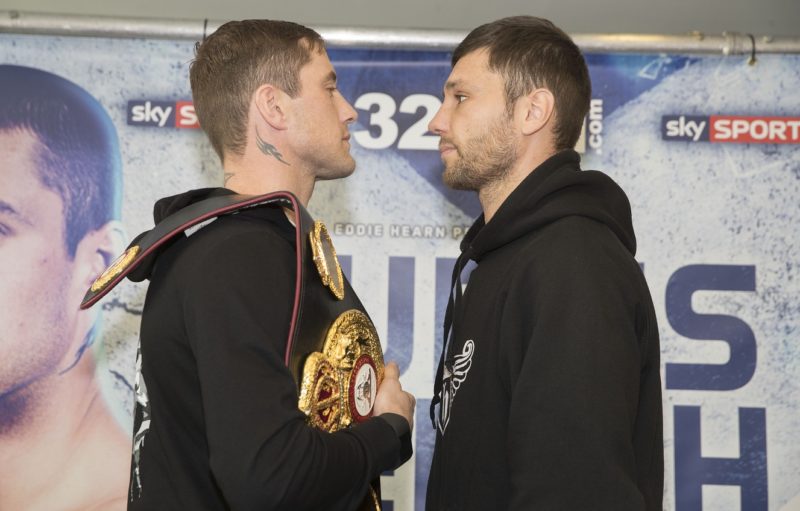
339	172
456	181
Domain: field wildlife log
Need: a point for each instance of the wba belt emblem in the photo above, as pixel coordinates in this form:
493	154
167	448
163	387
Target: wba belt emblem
340	383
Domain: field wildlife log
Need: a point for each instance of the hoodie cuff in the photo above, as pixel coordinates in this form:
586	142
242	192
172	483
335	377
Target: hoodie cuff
402	431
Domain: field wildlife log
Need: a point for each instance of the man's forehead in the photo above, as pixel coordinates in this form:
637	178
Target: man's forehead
20	144
19	149
19	136
320	66
23	199
471	70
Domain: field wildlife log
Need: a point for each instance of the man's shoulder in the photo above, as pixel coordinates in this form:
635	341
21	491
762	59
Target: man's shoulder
575	251
270	223
242	239
265	223
574	238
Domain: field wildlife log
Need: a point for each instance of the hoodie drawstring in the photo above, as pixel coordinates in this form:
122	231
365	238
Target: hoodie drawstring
452	304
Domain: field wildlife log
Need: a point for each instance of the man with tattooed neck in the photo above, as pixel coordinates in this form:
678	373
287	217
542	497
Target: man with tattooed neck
217	424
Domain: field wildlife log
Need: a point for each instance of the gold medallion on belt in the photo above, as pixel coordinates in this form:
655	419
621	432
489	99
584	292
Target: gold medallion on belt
325	260
340	383
118	266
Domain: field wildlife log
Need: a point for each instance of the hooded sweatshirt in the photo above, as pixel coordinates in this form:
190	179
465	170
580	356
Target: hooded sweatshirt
549	394
216	423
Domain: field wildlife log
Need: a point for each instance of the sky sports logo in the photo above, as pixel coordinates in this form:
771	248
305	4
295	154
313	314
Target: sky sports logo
733	129
162	114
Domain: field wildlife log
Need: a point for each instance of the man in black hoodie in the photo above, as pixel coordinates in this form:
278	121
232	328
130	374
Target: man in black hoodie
548	394
217	424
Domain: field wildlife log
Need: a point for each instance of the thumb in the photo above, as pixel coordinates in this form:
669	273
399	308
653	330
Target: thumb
391	371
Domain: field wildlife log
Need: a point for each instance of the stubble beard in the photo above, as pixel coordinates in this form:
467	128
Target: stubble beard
26	383
484	159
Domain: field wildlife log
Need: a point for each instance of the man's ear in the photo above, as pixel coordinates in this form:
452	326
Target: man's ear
96	251
271	105
538	108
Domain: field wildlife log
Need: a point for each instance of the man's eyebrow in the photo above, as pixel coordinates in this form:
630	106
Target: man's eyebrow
457	83
330	77
5	207
8	209
451	84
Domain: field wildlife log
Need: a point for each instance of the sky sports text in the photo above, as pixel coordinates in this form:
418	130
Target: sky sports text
731	129
162	114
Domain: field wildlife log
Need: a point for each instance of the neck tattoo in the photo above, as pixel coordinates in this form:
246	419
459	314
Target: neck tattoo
269	149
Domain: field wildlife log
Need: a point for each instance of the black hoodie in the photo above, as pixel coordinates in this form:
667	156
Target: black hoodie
217	425
550	394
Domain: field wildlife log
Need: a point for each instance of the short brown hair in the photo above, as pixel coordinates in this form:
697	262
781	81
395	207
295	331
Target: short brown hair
77	150
233	62
530	52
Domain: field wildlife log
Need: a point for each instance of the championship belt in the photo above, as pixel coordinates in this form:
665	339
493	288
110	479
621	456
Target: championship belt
334	354
332	351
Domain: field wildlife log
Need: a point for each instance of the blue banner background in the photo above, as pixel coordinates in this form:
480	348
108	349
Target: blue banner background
717	226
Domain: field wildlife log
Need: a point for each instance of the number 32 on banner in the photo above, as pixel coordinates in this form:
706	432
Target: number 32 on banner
414	137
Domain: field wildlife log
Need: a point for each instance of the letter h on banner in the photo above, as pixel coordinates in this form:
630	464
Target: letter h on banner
748	471
400	334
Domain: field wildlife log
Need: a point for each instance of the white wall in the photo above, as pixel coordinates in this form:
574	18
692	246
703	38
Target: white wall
759	17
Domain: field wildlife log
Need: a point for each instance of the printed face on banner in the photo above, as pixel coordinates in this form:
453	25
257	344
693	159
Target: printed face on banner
478	144
323	117
56	233
35	270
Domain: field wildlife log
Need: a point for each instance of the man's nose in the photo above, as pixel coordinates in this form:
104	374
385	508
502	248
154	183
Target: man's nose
349	114
439	124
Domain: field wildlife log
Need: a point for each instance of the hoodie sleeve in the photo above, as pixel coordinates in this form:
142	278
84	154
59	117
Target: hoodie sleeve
262	453
574	378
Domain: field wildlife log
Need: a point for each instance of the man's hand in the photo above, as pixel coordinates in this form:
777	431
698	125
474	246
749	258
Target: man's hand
392	398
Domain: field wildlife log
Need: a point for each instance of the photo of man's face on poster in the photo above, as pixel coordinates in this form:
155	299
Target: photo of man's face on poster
60	189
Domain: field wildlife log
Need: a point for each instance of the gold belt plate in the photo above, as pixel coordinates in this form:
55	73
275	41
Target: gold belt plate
340	383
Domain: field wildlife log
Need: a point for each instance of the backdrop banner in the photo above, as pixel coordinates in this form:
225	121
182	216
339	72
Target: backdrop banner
706	147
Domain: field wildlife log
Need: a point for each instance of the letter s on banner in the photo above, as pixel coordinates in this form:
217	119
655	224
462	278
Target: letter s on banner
684	320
